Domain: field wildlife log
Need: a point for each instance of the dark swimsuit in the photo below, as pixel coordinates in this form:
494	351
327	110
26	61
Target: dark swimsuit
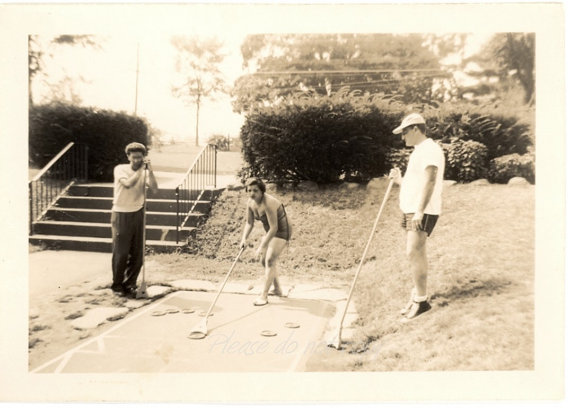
283	230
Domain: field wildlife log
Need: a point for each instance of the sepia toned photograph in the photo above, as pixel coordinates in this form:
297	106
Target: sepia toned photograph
224	201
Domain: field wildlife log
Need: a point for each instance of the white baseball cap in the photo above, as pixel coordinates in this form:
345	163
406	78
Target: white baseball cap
411	119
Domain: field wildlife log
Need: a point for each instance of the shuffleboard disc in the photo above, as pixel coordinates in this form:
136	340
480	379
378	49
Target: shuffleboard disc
196	335
158	313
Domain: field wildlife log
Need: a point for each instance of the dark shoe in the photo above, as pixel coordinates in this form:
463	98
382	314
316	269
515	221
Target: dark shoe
117	288
417	309
130	293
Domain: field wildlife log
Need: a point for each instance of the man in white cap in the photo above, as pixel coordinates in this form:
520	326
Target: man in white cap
420	201
127	218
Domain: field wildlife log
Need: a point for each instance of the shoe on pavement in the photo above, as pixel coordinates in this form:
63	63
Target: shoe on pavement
260	302
416	310
277	293
130	293
410	303
407	308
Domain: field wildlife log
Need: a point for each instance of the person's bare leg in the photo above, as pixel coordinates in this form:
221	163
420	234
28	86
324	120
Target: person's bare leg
274	249
417	257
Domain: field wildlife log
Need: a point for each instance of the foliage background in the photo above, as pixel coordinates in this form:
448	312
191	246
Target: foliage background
106	133
348	137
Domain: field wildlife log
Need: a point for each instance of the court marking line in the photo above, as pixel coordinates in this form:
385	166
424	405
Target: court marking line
65	356
312	334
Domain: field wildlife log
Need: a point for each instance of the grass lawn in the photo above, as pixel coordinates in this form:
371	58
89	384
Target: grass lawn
176	158
481	277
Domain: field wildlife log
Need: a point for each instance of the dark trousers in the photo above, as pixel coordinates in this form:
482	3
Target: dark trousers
128	248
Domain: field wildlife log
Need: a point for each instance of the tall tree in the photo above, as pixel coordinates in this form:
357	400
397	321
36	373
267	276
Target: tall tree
36	54
325	63
511	54
197	62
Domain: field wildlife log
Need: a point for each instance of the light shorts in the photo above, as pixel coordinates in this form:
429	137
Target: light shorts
427	225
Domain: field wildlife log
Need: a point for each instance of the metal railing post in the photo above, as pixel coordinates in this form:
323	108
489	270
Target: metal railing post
193	184
215	165
53	180
177	214
86	161
31	198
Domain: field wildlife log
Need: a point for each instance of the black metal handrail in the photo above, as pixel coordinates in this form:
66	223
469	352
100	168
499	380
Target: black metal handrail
53	180
200	175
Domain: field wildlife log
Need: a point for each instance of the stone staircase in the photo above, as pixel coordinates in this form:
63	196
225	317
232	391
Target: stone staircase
81	220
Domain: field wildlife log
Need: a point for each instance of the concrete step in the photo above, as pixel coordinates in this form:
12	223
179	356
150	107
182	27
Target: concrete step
103	230
94	244
106	190
106	203
104	216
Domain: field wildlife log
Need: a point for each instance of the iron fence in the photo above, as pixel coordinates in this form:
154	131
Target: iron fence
202	174
68	166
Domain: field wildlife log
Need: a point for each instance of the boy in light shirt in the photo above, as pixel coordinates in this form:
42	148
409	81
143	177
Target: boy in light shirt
420	202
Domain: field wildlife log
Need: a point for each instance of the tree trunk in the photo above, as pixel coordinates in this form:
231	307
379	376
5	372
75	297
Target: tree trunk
197	118
30	74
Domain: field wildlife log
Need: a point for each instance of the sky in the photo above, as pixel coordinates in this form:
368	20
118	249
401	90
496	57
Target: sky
108	80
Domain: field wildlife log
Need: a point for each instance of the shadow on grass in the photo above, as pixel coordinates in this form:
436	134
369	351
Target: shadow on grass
473	288
331	196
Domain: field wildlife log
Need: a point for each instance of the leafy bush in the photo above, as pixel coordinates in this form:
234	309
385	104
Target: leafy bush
106	133
221	141
465	160
323	140
349	136
235	144
503	168
500	134
399	158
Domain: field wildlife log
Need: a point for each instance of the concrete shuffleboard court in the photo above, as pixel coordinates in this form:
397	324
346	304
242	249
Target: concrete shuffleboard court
150	341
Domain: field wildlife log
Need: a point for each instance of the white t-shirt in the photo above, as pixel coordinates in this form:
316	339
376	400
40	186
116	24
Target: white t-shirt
127	199
426	153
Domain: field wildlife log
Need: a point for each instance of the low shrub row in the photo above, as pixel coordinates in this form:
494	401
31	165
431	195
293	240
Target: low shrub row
466	161
503	168
349	137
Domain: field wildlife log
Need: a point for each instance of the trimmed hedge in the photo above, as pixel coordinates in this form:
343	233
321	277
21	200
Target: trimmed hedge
323	140
106	133
503	168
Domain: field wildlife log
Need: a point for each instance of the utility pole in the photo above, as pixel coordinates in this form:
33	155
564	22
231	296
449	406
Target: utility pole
137	81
